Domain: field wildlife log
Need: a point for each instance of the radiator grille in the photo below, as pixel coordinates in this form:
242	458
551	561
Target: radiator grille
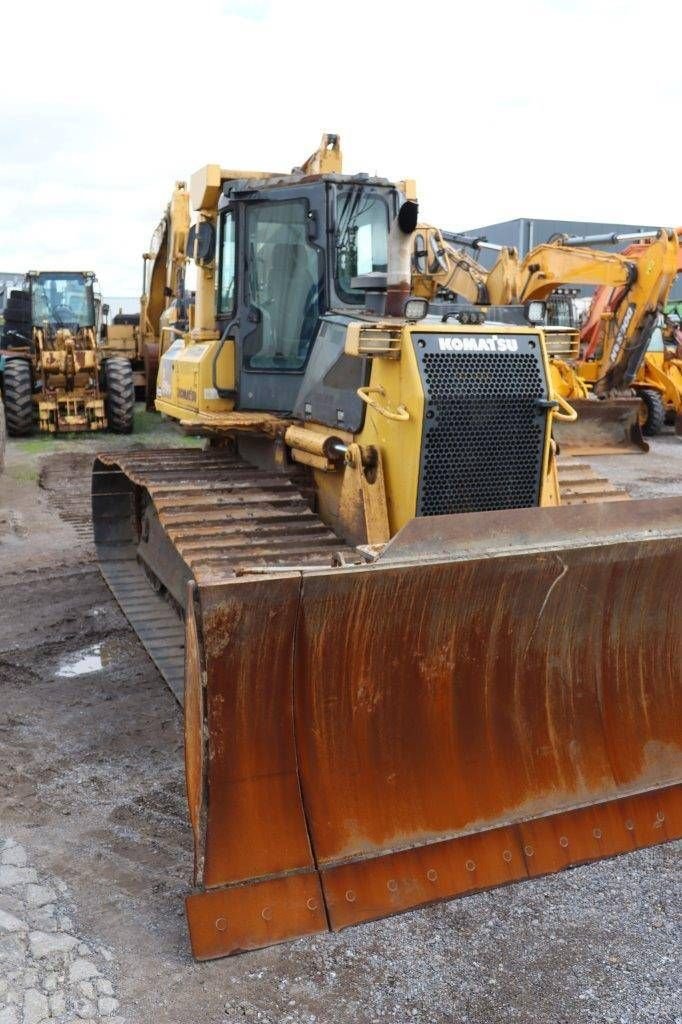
483	432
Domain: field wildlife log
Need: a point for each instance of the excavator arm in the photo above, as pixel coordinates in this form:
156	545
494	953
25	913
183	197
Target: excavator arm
164	264
441	269
552	265
619	325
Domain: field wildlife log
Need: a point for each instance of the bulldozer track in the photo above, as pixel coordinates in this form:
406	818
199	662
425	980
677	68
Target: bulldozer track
580	485
221	515
224	518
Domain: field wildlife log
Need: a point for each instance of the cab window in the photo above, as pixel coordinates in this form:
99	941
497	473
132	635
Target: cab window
361	239
284	285
226	289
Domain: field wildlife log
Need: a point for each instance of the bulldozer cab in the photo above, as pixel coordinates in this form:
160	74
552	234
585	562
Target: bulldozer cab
287	256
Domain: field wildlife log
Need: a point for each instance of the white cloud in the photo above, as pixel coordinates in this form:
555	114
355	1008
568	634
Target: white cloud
541	108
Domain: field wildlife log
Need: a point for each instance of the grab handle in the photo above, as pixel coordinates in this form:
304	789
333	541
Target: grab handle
400	413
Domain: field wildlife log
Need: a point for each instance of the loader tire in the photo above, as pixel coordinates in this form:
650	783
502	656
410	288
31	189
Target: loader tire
654	415
120	391
18	387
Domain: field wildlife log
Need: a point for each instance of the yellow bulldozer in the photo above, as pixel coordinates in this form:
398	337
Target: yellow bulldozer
163	314
52	367
408	672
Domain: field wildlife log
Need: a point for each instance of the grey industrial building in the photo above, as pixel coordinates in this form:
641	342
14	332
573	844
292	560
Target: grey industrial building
524	234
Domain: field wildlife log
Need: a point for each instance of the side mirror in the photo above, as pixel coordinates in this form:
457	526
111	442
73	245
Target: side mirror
201	243
408	216
105	309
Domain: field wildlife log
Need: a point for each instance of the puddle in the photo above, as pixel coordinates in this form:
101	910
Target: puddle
90	659
81	663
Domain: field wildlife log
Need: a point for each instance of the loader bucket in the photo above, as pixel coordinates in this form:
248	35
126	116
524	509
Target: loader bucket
606	426
496	697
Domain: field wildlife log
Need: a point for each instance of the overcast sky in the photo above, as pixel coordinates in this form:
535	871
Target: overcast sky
499	109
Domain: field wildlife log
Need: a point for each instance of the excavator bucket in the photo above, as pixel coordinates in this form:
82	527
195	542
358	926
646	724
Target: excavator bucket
606	426
495	697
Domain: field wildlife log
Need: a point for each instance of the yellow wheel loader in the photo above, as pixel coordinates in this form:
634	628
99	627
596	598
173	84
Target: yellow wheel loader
52	368
408	673
164	311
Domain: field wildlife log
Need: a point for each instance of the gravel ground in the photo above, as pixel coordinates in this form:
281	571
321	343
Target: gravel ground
95	851
48	971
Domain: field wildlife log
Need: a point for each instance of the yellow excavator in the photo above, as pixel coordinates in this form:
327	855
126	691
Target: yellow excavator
139	337
600	369
408	673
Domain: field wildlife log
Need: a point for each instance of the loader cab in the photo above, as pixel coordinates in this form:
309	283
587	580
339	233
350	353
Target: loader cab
61	299
288	255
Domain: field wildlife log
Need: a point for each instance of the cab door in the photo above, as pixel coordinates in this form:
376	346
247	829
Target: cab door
282	294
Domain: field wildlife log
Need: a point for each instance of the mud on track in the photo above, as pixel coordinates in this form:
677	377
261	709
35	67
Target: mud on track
91	783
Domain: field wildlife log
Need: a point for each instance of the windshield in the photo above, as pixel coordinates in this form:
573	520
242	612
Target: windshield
62	300
361	239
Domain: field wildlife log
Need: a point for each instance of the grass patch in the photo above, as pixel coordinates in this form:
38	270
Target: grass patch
23	474
147	422
41	445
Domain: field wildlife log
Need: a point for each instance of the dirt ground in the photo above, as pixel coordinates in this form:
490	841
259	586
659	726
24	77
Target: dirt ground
91	787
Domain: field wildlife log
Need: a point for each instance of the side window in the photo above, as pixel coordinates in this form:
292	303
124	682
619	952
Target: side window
284	286
361	239
226	288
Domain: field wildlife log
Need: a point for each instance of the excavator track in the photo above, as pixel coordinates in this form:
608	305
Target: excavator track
162	518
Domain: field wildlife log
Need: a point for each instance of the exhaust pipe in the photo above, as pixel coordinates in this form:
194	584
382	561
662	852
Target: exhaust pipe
399	270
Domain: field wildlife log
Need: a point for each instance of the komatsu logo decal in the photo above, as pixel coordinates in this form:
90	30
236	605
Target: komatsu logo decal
491	343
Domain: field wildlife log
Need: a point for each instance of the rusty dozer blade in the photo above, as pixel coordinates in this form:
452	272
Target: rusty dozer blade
607	426
497	697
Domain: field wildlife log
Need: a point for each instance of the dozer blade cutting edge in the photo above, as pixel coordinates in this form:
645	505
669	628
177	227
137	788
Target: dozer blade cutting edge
496	697
604	427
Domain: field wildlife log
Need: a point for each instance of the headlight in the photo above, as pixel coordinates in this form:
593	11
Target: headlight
535	311
415	309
